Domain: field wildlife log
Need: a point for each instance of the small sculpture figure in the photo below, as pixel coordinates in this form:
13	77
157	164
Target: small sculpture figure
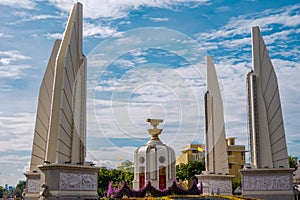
45	191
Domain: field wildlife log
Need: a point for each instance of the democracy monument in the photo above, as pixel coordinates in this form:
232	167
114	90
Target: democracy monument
58	168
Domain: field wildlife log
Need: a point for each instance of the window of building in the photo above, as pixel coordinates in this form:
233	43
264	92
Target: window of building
229	153
230	165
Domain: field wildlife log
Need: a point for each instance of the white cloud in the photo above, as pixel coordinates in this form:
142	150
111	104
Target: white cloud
26	4
116	9
13	71
3	35
90	30
223	9
27	17
7	57
8	68
16	159
16	129
110	157
44	16
122	63
54	35
157	19
241	25
96	30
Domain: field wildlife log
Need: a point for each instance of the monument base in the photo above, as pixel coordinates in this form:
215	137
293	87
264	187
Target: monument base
216	183
268	184
66	181
32	188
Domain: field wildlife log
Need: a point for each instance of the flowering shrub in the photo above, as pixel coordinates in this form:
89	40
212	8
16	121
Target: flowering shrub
149	190
110	190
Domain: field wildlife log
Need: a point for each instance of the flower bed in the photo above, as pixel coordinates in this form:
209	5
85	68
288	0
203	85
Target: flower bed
150	191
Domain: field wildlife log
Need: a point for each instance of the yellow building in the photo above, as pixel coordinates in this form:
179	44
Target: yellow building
191	152
236	156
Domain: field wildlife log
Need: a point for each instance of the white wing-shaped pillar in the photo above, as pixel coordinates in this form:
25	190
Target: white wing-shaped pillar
216	149
267	136
60	128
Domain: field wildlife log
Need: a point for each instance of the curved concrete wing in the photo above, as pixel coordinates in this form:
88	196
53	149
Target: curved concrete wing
267	136
216	149
60	129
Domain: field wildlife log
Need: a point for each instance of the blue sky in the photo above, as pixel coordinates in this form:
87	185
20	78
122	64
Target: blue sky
152	55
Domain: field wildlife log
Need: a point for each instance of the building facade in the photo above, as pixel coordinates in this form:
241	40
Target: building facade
236	157
235	153
191	152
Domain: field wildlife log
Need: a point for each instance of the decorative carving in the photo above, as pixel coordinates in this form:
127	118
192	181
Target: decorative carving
33	185
71	181
154	132
219	186
267	183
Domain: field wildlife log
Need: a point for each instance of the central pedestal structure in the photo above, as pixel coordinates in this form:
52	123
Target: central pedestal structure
269	184
154	161
64	181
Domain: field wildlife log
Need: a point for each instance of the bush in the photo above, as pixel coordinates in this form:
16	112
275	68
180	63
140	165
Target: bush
149	190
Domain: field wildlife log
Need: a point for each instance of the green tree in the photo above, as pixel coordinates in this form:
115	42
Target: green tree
2	191
20	188
189	170
126	166
104	176
181	171
193	168
124	172
293	162
236	182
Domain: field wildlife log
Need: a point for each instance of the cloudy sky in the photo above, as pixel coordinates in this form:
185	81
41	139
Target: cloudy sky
145	59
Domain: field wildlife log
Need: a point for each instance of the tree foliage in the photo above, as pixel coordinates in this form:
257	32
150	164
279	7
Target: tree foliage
189	170
2	191
293	162
126	166
124	172
236	182
20	188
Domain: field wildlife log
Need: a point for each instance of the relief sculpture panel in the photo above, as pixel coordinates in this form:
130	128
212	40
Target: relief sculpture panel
33	185
71	181
267	183
218	186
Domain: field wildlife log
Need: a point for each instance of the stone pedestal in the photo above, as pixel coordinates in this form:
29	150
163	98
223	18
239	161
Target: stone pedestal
32	189
268	184
216	183
65	181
